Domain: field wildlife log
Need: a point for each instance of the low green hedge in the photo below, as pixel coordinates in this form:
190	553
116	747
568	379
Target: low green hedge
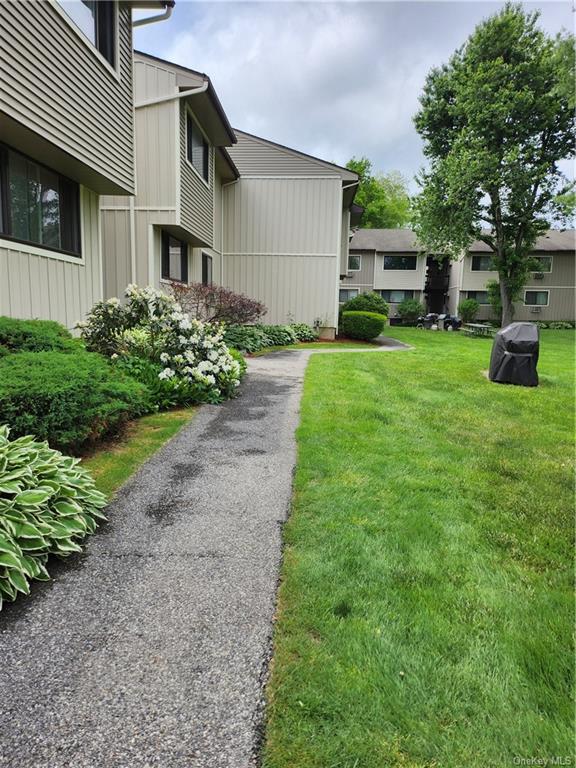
48	504
34	336
68	399
363	325
253	338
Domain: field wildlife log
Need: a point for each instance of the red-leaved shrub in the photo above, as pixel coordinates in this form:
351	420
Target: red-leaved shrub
216	304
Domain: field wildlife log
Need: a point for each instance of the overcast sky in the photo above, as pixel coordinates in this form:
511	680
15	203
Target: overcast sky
335	80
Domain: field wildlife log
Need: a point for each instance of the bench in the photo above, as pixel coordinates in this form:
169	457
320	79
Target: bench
478	329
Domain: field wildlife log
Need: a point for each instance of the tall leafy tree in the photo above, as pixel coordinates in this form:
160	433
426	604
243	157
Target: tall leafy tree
384	197
496	120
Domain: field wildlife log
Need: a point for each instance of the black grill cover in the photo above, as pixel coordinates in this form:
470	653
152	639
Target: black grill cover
515	355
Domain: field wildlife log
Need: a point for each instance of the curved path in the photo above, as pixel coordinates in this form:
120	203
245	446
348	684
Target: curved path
151	649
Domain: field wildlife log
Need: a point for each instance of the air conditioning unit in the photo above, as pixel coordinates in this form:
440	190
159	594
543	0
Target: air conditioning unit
535	310
538	275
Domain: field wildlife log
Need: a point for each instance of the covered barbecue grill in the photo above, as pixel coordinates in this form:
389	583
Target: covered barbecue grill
515	355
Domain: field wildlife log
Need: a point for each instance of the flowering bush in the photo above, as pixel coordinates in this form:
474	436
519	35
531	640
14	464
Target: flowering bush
192	361
213	303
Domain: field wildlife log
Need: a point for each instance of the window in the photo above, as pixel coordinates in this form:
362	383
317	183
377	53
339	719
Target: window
197	147
174	259
346	294
96	19
542	264
480	296
536	298
206	269
37	205
354	262
395	261
396	297
482	264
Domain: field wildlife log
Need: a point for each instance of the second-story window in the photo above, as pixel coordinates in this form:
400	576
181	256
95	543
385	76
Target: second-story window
197	147
38	205
354	262
482	264
398	261
96	19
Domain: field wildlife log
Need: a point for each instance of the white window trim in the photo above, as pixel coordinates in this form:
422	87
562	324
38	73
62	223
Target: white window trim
401	271
541	271
204	181
113	70
537	290
357	255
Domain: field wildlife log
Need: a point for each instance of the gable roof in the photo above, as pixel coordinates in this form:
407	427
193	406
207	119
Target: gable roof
553	240
404	241
255	155
385	241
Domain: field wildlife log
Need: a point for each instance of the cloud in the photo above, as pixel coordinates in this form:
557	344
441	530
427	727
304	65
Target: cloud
331	79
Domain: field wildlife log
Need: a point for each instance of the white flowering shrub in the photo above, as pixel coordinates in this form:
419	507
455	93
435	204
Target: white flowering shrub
179	359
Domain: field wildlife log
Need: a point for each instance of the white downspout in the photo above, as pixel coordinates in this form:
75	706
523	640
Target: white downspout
228	184
153	19
173	96
132	242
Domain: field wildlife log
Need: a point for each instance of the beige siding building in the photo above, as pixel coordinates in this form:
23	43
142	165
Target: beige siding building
387	261
549	292
172	228
286	222
222	206
66	137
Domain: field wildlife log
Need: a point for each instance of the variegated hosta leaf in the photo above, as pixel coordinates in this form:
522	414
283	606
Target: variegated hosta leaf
48	503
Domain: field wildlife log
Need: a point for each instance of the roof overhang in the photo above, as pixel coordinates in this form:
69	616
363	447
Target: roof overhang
225	166
206	106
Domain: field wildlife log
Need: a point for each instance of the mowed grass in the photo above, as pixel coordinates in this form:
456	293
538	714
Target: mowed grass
425	611
112	463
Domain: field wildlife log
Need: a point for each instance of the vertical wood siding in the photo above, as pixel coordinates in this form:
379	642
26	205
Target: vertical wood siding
294	288
400	278
57	86
288	216
363	278
47	288
196	198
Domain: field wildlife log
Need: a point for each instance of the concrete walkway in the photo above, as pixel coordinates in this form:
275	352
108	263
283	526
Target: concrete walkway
151	649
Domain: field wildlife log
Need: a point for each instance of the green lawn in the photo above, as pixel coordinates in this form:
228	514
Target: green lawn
112	463
425	609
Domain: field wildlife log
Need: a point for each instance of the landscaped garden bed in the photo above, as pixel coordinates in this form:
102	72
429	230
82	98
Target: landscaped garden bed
425	610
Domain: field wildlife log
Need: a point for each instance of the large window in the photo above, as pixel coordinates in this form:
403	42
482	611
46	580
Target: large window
480	296
198	150
354	262
174	259
97	20
346	294
542	264
37	205
206	269
536	298
396	297
482	264
397	261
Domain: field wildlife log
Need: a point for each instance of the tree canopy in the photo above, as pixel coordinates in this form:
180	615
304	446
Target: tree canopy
384	197
496	120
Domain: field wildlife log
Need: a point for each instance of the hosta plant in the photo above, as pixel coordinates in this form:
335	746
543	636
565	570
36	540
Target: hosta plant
47	505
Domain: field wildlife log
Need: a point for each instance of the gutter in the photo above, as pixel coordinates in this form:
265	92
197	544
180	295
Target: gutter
173	96
168	5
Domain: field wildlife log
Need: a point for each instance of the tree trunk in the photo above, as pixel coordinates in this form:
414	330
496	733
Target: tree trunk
507	305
